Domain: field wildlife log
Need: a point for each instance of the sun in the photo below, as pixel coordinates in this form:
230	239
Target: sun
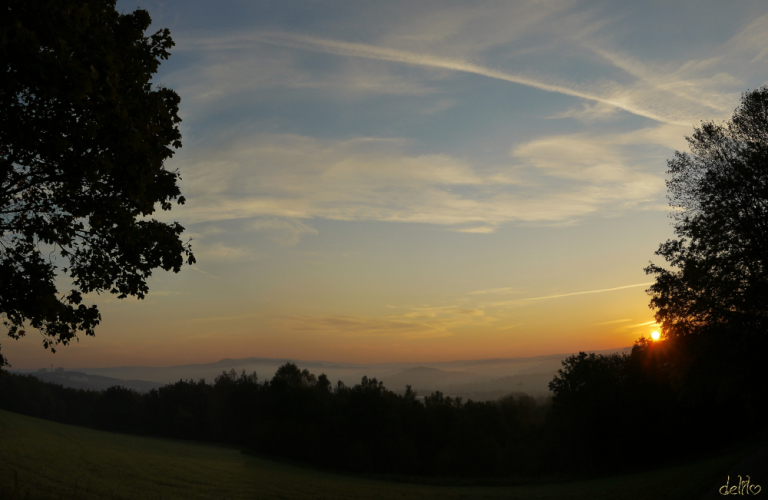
655	335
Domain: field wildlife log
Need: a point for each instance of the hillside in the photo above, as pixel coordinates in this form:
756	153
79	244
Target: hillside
46	460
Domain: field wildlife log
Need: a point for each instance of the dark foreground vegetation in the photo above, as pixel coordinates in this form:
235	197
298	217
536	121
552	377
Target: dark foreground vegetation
609	414
44	460
296	415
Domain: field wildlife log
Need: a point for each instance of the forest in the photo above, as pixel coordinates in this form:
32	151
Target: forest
608	413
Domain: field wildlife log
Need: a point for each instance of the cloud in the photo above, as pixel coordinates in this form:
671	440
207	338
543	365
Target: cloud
284	231
696	85
477	230
547	297
646	323
219	251
356	77
637	325
470	312
361	326
203	272
707	88
237	75
610	94
494	291
527	43
284	178
450	313
589	112
612	322
165	293
604	154
418	322
556	179
220	319
749	45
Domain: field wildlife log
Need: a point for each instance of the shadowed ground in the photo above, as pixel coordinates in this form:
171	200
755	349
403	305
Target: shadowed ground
46	460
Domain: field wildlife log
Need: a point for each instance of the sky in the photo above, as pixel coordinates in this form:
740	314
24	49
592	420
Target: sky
421	181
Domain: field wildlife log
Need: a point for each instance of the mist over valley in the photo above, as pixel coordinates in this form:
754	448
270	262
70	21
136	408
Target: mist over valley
479	380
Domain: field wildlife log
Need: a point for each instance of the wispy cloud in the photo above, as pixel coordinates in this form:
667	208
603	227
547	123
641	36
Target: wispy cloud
613	322
611	95
505	42
284	231
361	326
495	291
687	83
634	326
222	75
204	272
547	297
556	178
220	251
751	43
286	177
165	293
477	230
454	312
412	322
220	319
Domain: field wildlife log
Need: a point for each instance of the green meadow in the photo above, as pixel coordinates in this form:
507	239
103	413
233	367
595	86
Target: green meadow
46	460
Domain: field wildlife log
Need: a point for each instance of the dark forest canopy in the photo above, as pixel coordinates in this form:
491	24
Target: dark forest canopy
83	141
300	416
603	407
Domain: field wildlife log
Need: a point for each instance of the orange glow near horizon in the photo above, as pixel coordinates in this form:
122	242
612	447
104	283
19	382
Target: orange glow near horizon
350	310
132	336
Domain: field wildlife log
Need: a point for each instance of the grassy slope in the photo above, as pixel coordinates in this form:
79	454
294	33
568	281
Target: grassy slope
57	461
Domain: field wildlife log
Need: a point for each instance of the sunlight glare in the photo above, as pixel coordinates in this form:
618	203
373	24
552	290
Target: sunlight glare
655	335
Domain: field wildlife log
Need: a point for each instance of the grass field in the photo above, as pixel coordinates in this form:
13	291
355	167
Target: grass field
46	460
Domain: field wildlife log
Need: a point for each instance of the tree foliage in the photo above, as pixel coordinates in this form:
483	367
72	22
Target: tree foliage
296	415
719	194
83	140
613	410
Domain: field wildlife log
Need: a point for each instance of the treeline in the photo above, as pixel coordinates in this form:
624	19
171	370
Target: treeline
608	413
665	401
296	415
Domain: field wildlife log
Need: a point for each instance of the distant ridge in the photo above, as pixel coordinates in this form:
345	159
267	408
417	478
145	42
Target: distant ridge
233	362
79	380
427	376
423	376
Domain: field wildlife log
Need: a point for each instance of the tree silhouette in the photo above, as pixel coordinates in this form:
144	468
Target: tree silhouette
712	301
83	140
719	196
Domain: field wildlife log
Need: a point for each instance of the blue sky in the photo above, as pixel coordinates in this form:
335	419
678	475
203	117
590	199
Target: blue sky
401	181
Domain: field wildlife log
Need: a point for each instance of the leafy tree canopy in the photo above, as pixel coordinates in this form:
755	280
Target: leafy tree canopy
719	194
83	140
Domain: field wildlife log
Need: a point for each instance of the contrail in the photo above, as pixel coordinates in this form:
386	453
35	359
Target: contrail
385	54
590	291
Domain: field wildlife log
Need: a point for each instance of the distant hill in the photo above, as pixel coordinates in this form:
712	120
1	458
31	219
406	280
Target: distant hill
459	377
79	380
533	384
422	377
